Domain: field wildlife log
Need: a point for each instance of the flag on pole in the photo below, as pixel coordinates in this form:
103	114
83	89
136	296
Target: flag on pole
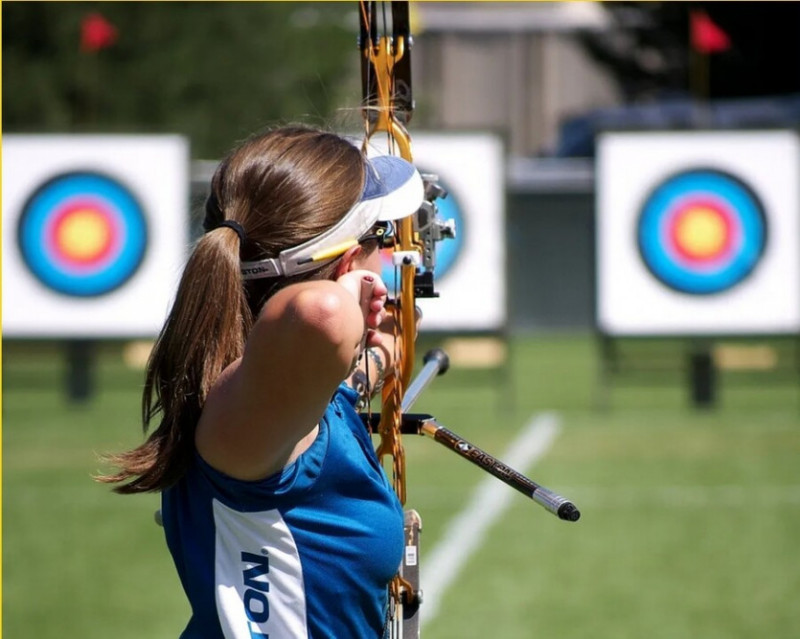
706	36
97	33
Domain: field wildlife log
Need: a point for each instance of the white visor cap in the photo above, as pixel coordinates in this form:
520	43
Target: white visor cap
393	189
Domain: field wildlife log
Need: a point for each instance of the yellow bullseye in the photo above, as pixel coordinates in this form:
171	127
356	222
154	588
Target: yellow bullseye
83	235
701	232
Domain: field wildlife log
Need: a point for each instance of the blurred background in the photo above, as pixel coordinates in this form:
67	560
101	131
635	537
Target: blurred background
625	180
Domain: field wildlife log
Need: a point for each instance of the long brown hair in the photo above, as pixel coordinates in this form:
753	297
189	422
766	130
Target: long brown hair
283	188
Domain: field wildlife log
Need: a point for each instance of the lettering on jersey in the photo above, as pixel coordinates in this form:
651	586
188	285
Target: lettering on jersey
256	599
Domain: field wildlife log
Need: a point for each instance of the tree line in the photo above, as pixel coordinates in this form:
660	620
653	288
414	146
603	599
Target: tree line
213	71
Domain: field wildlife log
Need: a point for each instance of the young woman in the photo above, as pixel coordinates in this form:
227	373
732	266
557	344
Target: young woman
277	513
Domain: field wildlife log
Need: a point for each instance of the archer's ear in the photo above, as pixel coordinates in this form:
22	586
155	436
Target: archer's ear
347	263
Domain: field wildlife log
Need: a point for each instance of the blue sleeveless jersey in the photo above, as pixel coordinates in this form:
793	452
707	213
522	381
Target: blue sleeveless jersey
307	552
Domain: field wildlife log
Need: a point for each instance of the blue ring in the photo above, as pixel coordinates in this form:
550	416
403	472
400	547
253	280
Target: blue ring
708	184
46	202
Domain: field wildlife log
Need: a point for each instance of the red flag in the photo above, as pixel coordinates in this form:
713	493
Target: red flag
97	33
706	36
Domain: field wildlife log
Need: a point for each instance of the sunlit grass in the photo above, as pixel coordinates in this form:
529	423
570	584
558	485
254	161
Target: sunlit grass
689	527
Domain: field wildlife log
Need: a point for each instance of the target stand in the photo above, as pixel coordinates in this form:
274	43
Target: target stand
698	240
95	235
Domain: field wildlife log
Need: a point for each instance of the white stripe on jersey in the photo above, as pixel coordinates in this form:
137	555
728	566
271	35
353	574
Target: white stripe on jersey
260	589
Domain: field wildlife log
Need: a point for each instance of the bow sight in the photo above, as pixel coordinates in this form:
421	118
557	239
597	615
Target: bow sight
431	229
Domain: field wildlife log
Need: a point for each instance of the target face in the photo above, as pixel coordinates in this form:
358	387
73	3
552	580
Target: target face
702	231
82	234
447	251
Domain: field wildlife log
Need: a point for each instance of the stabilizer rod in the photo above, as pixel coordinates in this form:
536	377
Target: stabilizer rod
423	424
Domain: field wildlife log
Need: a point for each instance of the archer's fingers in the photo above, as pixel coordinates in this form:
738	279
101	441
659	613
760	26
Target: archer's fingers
366	299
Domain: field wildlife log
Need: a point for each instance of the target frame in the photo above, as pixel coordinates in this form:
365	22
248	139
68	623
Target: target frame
629	300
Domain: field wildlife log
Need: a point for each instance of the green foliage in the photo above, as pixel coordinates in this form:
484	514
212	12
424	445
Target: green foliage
214	71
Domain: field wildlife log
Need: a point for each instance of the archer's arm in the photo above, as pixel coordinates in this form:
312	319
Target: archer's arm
264	409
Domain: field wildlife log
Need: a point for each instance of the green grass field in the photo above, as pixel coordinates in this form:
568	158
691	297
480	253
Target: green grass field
690	526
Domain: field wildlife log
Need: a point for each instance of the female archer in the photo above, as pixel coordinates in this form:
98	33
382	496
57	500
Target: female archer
276	511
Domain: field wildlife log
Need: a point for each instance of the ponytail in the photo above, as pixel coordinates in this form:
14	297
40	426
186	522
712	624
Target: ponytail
204	332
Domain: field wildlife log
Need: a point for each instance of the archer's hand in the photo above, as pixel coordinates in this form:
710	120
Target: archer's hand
370	292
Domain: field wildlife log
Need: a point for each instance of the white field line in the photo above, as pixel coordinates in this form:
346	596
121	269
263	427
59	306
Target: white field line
465	533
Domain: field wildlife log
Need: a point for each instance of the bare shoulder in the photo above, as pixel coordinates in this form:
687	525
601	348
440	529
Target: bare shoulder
264	409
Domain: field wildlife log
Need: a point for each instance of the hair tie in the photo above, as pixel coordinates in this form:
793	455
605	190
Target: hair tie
213	213
231	224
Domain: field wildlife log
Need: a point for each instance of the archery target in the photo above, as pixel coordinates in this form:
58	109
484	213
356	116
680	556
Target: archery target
702	231
698	233
82	234
470	269
95	233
